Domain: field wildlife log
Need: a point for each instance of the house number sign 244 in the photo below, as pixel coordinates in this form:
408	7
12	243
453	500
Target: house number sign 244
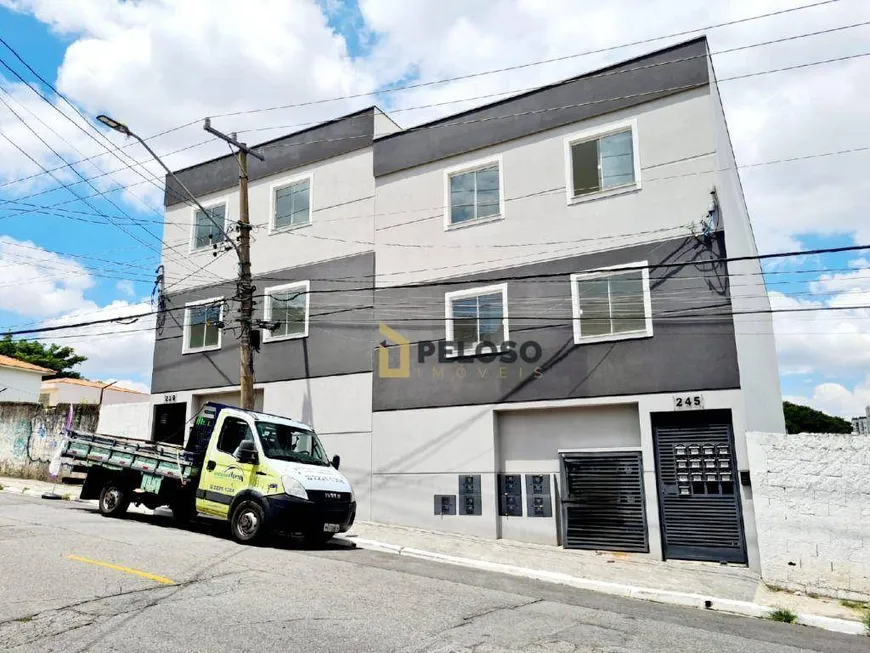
689	402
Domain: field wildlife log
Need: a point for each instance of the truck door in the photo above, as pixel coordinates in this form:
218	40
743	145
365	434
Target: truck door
223	477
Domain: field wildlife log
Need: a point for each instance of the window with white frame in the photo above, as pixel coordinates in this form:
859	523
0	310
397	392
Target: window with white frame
474	193
291	204
202	328
612	304
476	316
288	306
208	229
603	161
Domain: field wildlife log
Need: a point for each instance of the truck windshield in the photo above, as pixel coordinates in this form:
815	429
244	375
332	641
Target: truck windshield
283	442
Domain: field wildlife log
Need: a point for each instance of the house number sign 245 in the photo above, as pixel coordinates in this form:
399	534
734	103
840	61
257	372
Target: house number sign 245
688	402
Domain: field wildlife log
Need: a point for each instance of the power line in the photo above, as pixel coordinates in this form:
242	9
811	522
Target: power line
454	282
595	75
446	80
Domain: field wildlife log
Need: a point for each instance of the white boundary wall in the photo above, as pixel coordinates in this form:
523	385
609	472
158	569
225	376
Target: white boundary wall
812	511
126	420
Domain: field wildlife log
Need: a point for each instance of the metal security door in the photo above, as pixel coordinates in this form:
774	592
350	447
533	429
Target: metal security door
603	504
699	498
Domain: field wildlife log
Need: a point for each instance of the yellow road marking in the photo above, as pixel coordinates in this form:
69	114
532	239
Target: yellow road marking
126	570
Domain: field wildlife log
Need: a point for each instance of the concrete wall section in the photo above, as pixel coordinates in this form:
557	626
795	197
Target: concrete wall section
812	505
19	385
339	337
692	346
419	453
753	324
676	157
127	420
30	434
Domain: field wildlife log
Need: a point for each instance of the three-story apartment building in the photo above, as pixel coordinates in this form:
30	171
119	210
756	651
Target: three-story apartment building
540	319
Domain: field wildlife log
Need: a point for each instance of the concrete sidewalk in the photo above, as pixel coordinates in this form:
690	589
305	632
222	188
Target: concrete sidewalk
730	588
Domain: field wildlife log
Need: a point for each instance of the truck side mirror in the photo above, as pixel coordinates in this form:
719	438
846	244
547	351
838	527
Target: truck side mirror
336	461
247	452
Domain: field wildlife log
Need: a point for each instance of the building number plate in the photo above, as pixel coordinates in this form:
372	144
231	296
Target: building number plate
688	402
168	399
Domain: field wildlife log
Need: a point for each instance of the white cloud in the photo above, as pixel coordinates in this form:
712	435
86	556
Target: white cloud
156	65
836	399
38	283
114	349
138	386
125	286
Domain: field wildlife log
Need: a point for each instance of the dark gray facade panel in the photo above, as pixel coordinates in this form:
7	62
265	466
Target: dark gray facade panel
628	84
340	136
339	341
697	353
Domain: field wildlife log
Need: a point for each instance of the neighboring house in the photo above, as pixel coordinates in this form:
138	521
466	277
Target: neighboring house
861	425
81	391
556	351
20	381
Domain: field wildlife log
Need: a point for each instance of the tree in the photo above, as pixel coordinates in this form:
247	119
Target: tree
803	419
57	358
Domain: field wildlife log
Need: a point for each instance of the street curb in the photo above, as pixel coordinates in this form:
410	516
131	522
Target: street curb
684	599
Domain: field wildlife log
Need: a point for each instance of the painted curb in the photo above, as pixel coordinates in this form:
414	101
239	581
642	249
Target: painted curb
684	599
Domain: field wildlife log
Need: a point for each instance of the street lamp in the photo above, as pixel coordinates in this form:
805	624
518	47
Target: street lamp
114	124
121	128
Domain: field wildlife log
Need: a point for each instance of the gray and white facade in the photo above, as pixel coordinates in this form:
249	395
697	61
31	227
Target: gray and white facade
523	321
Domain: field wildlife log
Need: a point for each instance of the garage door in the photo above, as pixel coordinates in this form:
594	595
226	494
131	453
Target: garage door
531	443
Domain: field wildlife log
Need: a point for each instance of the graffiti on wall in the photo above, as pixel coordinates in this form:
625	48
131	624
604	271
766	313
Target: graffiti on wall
31	433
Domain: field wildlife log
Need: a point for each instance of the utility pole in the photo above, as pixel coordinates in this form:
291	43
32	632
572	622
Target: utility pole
245	286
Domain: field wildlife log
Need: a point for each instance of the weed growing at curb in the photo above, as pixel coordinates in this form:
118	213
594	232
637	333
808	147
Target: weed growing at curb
67	497
1	487
775	588
25	489
866	622
783	614
855	605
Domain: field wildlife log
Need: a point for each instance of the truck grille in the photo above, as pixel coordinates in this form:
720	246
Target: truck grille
329	498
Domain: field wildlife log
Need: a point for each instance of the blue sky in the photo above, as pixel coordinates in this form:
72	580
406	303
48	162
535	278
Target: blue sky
133	62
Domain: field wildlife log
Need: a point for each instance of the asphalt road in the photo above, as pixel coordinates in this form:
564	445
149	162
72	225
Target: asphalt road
193	589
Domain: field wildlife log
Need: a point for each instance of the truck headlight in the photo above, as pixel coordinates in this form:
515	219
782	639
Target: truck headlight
293	487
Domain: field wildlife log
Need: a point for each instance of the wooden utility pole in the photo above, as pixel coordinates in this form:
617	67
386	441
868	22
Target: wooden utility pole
244	285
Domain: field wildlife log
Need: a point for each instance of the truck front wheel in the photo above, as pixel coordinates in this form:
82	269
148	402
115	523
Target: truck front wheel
248	522
114	500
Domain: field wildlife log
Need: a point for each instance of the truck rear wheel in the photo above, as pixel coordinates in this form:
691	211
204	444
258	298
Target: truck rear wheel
114	500
248	522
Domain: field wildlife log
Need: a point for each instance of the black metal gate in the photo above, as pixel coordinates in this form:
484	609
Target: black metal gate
603	503
699	496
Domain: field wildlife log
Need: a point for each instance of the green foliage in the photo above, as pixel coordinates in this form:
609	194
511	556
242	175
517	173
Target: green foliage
783	614
54	357
803	419
866	620
855	605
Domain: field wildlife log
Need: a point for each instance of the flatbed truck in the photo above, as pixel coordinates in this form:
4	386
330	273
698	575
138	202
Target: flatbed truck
262	473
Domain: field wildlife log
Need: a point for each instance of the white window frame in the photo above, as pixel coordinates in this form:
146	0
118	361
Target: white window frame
595	134
576	312
284	183
185	349
471	166
469	349
208	205
267	311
